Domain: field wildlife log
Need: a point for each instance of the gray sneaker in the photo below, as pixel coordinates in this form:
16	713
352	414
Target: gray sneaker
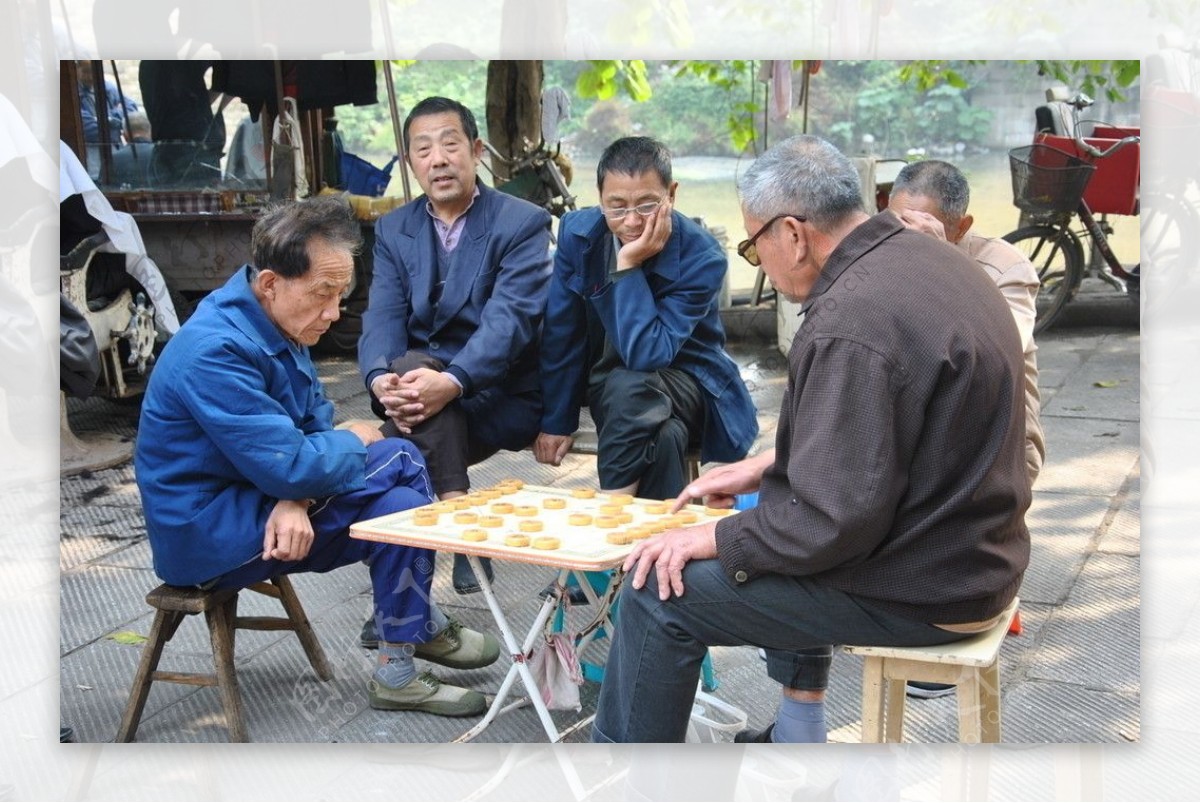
459	647
426	693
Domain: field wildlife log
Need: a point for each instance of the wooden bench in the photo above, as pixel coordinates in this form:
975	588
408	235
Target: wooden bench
173	603
973	665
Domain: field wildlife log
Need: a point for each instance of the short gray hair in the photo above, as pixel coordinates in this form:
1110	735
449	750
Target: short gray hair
280	238
940	182
802	175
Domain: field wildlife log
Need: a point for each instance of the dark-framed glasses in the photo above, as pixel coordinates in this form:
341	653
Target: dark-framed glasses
645	210
747	249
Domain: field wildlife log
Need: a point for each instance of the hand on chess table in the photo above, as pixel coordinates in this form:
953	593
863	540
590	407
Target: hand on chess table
719	486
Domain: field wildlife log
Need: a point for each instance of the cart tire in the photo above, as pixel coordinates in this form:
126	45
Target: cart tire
1057	256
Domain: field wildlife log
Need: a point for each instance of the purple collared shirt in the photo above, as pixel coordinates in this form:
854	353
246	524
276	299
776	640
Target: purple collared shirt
450	235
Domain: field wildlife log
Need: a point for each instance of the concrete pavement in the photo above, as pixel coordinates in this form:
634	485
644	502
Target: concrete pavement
1072	676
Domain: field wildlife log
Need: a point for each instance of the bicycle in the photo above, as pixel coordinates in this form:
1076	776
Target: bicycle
1063	176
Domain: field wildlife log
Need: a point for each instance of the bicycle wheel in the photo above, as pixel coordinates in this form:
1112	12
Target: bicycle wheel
1058	258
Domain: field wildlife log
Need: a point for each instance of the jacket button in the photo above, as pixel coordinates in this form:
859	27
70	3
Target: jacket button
434	346
741	576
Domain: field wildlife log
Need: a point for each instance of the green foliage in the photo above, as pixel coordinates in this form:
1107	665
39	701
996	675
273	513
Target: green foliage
1094	77
604	78
1091	77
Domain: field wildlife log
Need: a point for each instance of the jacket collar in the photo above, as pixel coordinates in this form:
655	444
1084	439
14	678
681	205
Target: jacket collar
862	239
237	300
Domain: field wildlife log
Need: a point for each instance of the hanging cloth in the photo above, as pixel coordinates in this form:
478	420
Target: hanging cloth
288	181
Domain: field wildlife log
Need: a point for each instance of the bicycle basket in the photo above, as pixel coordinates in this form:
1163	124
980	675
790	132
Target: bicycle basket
1045	179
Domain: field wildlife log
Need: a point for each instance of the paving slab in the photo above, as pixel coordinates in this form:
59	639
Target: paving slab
1061	528
1087	455
1092	640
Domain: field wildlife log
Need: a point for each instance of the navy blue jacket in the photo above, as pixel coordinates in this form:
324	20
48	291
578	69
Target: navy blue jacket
664	314
486	326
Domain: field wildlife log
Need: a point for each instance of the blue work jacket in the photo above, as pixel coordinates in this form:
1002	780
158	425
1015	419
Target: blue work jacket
234	419
664	314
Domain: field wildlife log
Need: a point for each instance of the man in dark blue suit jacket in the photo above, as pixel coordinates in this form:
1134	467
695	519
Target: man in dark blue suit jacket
633	331
449	349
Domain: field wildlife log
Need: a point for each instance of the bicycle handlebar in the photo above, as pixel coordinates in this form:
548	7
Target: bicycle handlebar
1091	149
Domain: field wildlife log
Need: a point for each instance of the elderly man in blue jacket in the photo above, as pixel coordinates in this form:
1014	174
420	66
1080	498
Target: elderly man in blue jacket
243	476
633	331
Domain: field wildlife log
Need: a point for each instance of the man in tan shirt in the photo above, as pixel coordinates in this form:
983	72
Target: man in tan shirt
932	196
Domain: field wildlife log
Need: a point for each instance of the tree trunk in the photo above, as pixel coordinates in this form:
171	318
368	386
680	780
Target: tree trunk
514	107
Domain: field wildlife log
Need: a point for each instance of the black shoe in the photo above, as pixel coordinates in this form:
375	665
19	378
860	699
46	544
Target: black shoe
369	637
927	691
574	594
749	736
464	576
66	734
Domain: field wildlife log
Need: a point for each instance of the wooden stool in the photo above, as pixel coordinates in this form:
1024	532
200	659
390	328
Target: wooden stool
173	603
972	665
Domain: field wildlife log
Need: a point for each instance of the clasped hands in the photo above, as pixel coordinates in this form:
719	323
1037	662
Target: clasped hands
415	396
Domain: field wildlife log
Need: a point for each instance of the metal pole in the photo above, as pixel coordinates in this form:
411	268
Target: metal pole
391	90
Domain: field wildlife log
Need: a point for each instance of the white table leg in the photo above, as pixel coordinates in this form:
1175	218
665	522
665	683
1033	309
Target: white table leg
517	653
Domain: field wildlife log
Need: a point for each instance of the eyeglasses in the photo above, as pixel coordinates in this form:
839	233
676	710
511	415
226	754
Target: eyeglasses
645	210
746	248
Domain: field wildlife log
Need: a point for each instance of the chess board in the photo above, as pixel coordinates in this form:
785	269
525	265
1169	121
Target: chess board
585	528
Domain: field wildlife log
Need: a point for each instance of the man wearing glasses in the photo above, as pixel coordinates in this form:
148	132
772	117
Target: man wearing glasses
891	511
633	331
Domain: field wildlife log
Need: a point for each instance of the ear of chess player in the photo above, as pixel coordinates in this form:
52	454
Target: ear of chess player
244	478
891	511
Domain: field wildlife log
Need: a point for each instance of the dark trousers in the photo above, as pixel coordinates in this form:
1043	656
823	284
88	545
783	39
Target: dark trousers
654	662
400	576
645	422
469	430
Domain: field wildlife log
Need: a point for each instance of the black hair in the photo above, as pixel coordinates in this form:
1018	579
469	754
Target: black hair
633	156
440	105
280	238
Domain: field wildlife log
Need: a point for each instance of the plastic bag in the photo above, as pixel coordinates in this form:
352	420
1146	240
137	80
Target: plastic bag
288	181
555	668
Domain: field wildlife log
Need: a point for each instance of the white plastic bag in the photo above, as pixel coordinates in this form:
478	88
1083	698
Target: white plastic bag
288	181
555	668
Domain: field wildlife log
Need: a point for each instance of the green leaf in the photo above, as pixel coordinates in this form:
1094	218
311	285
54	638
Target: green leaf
127	637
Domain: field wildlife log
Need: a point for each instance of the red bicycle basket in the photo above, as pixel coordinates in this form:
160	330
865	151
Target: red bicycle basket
1114	187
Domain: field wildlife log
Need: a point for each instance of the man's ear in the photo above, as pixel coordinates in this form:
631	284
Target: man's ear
792	239
478	149
964	225
265	282
671	191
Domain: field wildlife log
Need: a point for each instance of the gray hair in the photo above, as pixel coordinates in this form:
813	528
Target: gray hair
805	176
941	182
280	238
